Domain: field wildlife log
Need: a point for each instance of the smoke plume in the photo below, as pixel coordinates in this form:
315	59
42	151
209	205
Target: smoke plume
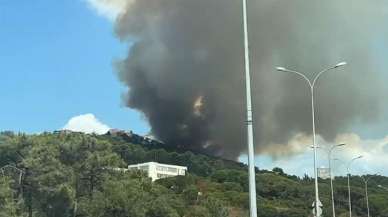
185	71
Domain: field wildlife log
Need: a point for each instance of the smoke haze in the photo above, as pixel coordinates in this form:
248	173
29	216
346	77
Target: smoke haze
184	70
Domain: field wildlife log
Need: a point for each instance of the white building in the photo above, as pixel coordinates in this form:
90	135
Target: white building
158	171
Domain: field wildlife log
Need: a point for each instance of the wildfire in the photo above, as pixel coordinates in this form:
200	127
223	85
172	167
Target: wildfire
197	106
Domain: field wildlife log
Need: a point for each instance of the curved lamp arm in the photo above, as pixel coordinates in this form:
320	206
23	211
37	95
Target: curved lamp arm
20	170
351	161
325	70
282	69
366	179
334	147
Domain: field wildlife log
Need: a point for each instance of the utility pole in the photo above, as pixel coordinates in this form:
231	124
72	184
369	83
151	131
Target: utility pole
249	121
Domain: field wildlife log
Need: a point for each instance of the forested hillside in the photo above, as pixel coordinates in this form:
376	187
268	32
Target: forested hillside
66	174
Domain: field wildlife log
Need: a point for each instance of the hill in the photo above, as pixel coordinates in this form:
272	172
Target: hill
64	174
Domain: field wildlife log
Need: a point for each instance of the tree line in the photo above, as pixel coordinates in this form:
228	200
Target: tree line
68	175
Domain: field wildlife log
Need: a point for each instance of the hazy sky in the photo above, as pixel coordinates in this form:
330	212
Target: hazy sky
56	62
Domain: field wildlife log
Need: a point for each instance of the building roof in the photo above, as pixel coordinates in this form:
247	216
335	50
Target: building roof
159	164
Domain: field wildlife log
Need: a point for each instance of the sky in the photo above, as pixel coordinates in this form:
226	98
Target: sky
56	63
57	68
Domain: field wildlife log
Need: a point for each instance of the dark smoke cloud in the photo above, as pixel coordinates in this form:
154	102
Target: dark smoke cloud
185	69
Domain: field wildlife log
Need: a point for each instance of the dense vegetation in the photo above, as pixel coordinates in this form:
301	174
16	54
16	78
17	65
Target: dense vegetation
68	175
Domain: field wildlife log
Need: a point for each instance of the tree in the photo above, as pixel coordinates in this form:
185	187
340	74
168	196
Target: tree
50	182
71	175
278	170
190	194
216	208
122	197
9	205
197	211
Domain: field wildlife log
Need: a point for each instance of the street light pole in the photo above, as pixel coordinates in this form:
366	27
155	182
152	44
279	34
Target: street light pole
348	169
366	192
311	84
367	198
251	154
331	176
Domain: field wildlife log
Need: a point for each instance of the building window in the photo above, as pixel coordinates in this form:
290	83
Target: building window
160	168
161	175
143	168
167	169
172	170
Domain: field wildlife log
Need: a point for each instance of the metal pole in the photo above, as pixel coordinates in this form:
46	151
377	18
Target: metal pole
366	180
366	195
350	202
331	185
315	153
331	176
251	155
348	169
317	202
